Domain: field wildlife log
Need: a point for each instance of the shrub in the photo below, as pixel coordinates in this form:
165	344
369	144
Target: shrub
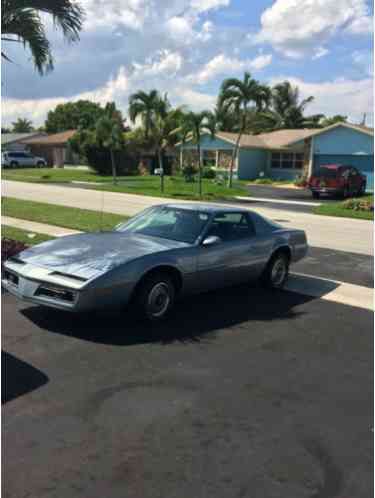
208	173
9	248
359	205
188	173
264	181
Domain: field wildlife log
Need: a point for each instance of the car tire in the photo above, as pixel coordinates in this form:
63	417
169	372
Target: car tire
13	164
155	297
362	190
276	273
40	164
316	195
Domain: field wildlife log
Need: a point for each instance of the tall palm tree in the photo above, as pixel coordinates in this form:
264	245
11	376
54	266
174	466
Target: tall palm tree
239	96
193	126
21	21
164	135
287	110
22	125
108	132
147	106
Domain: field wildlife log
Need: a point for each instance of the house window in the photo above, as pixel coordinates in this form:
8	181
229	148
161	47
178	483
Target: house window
287	160
275	160
298	161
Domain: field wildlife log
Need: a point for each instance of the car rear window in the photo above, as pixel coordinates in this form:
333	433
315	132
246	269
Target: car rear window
326	172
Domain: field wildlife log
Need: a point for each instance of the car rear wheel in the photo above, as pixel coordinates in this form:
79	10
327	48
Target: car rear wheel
277	271
13	164
41	164
316	195
156	297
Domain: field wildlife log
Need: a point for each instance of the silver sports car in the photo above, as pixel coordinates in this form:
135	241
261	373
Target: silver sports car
160	254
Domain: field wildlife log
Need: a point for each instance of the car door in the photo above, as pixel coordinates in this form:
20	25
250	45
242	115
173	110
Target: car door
230	260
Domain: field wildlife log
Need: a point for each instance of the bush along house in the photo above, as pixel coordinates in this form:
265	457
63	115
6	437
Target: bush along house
290	154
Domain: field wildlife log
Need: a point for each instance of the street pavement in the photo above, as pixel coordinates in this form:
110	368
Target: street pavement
354	236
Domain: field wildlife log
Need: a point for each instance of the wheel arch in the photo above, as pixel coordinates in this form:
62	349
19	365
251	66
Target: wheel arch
173	272
283	249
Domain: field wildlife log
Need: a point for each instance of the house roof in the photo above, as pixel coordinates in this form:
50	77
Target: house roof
8	138
284	138
52	140
273	140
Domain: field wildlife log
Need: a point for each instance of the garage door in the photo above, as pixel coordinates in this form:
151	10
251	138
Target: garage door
365	164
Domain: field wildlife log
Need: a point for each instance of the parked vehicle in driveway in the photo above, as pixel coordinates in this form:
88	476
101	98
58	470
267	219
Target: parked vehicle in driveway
162	253
337	180
15	159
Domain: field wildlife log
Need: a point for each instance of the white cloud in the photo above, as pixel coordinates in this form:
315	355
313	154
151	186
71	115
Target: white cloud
205	5
222	64
111	13
320	52
300	27
339	96
166	63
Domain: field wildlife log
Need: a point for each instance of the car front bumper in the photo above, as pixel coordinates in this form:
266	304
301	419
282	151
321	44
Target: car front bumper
29	290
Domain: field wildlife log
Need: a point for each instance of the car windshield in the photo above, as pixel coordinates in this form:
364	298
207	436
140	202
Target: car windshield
326	172
183	225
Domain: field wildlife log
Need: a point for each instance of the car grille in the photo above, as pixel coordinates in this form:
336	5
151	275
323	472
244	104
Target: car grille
56	293
12	278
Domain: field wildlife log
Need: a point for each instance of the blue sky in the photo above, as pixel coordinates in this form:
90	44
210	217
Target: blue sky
187	47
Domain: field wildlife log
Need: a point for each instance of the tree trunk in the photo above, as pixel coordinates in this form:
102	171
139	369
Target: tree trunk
199	169
114	173
160	157
234	156
181	157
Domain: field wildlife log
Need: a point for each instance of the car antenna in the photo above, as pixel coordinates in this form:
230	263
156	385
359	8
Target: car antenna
101	213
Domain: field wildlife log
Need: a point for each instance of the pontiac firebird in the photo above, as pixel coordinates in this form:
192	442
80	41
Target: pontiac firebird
162	253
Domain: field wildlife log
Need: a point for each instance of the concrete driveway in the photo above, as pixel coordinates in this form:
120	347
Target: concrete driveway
355	236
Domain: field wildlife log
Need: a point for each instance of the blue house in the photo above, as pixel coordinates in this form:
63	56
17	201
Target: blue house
285	154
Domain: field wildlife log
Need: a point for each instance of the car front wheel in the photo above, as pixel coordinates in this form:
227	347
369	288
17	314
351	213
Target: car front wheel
277	271
156	297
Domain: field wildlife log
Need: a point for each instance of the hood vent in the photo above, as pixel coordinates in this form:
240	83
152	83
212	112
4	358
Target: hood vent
66	275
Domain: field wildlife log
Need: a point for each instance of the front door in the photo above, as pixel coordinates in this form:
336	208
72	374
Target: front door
232	259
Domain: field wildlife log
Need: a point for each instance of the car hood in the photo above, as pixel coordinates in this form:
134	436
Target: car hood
92	254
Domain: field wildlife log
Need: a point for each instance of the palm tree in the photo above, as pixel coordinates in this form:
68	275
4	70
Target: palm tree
238	96
287	111
194	125
21	21
108	132
164	135
22	126
147	106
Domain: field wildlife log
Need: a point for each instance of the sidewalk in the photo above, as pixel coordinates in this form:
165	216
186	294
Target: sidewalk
32	226
340	234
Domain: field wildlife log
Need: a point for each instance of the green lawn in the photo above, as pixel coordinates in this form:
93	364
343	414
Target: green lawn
68	217
337	209
175	187
29	238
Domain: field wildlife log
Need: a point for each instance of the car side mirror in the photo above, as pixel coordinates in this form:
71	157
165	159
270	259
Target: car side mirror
211	240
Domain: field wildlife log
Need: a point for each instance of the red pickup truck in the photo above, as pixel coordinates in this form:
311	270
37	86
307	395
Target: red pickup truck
337	180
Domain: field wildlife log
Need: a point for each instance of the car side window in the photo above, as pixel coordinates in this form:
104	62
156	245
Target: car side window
231	226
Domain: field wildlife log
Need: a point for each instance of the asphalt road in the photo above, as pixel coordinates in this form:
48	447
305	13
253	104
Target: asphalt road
241	393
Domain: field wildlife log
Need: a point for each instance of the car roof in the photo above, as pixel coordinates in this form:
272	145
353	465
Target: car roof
207	208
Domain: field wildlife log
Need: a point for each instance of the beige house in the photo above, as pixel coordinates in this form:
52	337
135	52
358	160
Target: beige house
54	148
